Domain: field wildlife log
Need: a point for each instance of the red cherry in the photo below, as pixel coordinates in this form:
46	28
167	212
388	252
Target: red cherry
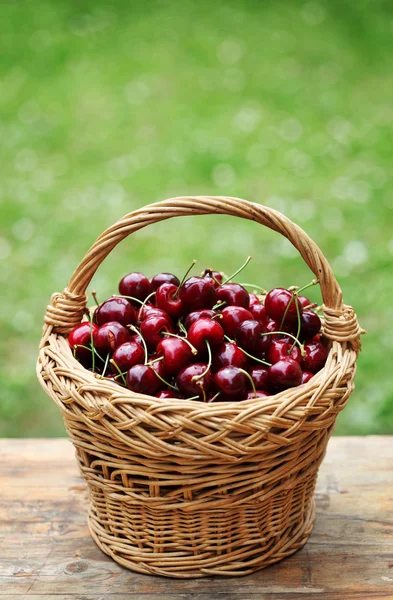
197	293
82	335
142	380
136	285
205	313
232	316
310	324
167	393
259	313
126	356
254	300
260	376
303	301
136	338
158	368
161	278
259	394
231	381
214	277
167	298
276	303
229	354
205	330
280	350
248	336
271	326
285	373
187	384
115	309
148	310
233	294
315	357
177	355
110	336
306	376
152	328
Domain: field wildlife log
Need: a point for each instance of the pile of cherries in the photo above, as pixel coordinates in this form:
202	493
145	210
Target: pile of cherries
205	338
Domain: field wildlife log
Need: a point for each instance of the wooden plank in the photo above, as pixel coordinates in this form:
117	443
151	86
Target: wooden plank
46	550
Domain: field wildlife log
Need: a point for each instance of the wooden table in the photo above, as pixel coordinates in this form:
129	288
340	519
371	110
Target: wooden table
46	550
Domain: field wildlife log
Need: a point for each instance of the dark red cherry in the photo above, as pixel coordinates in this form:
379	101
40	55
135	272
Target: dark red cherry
115	309
205	330
159	369
152	329
306	376
310	324
280	349
142	380
167	393
260	376
197	293
161	278
248	336
232	316
136	285
229	354
254	299
148	310
136	338
205	313
214	277
315	357
232	382
276	303
258	312
271	326
110	336
285	373
257	394
82	335
168	299
305	302
177	355
187	384
233	294
126	356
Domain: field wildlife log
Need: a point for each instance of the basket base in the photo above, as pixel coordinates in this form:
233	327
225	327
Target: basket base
178	565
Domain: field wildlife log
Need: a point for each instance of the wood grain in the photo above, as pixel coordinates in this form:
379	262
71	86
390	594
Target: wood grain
46	550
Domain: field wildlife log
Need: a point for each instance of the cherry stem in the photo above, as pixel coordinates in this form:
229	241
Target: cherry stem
93	356
313	282
193	349
94	294
105	365
209	364
295	294
146	299
133	328
257	287
296	341
299	323
210	273
247	354
181	327
220	304
184	278
251	381
113	362
214	397
89	348
152	362
129	298
238	271
217	316
163	381
193	398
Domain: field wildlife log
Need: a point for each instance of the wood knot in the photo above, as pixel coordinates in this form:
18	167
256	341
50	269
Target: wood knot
79	566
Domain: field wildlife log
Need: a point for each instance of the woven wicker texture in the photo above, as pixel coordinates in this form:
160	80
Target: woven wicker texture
187	489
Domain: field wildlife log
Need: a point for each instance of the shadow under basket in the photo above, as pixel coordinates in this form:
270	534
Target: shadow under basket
188	489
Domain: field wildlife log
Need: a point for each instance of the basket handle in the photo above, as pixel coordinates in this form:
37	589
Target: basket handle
66	309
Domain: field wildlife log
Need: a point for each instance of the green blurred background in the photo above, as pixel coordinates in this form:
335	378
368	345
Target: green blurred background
105	107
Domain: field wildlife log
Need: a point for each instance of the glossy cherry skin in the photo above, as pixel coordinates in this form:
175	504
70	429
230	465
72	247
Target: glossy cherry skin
229	354
285	373
149	311
167	393
233	294
254	299
306	376
110	336
258	312
136	338
205	330
214	277
280	349
158	368
177	355
315	357
82	335
310	324
142	380
197	293
115	309
136	285
168	299
161	278
186	383
205	313
260	376
232	316
248	336
259	394
126	356
231	382
276	303
305	302
152	329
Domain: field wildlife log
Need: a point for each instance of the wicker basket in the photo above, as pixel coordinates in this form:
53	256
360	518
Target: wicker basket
186	489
